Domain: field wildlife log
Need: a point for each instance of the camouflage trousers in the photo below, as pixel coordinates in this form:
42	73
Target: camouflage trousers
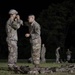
57	59
36	48
68	57
43	57
13	53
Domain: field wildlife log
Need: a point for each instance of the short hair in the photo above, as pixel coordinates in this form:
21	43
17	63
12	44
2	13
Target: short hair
33	16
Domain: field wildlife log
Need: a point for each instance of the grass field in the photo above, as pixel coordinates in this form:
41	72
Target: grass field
4	68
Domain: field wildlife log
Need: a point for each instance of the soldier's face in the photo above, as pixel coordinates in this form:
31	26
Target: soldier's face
30	19
43	45
14	15
58	47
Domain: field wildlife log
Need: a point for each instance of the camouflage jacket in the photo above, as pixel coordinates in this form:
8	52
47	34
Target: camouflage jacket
11	29
34	30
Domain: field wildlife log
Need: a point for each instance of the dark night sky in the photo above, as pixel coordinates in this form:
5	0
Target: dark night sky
24	7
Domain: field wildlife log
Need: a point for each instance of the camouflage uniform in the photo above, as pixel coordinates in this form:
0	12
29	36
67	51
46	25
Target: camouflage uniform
68	55
43	51
57	56
35	40
11	30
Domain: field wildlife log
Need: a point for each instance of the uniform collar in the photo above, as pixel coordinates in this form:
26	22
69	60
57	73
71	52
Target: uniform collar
32	23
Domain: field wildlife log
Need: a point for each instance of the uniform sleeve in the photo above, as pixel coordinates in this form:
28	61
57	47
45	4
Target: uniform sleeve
8	26
17	24
20	22
14	24
36	32
37	29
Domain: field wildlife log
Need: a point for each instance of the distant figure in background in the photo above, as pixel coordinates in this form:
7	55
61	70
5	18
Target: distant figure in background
57	55
43	52
68	55
30	60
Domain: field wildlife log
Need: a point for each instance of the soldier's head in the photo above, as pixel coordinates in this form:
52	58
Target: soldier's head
58	48
13	13
43	45
31	18
67	49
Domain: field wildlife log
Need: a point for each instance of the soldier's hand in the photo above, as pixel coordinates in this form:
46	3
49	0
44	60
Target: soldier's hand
18	17
27	35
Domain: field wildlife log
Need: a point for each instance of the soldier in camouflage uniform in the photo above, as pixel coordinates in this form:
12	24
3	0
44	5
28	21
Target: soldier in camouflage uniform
68	55
34	29
13	23
57	55
43	51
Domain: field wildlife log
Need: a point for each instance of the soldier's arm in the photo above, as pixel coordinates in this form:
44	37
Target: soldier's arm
20	22
36	33
37	29
16	25
13	24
